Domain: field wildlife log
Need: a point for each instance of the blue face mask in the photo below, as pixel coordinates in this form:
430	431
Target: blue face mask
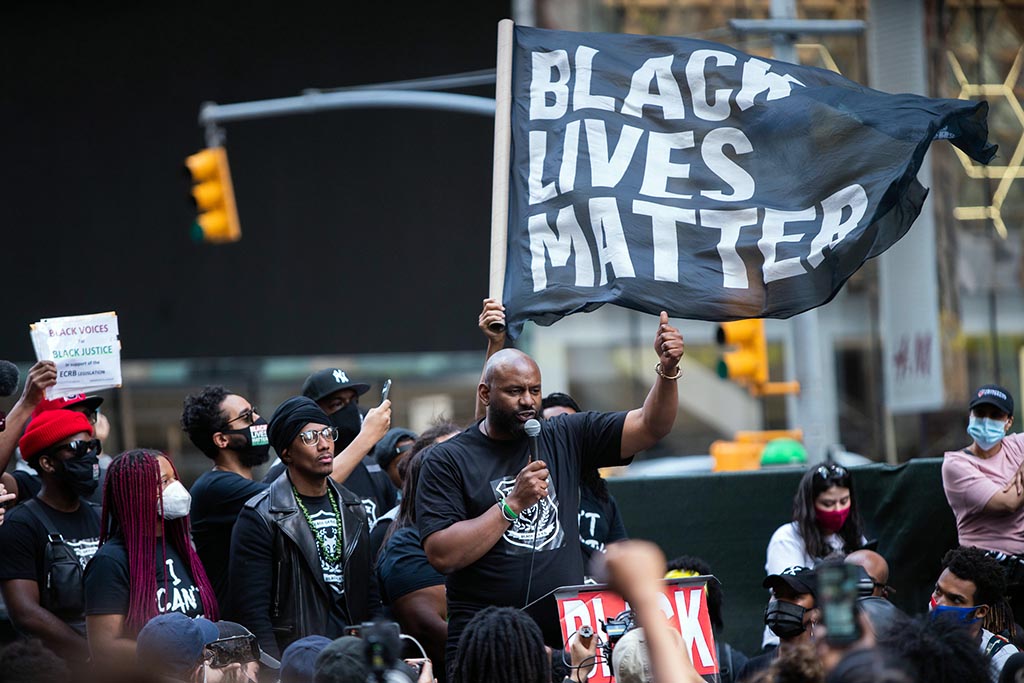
985	431
962	615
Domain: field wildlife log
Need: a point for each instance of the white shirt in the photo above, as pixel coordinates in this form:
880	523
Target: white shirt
998	660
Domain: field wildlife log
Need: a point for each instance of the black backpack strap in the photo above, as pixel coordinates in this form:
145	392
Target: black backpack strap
39	512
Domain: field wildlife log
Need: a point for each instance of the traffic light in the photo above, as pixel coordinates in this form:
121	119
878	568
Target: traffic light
214	197
748	364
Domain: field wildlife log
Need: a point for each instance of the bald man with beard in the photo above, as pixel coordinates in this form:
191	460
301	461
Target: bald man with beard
501	522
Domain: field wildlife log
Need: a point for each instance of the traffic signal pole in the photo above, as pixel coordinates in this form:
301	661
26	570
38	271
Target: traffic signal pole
815	406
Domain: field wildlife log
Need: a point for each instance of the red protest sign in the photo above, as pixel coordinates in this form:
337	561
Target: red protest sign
684	602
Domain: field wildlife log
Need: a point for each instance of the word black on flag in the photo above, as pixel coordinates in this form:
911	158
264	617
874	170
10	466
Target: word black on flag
686	176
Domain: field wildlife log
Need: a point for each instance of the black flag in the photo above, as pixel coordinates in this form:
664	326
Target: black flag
686	176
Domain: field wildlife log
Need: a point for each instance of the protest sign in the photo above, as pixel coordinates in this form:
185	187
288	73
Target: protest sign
684	602
682	175
85	348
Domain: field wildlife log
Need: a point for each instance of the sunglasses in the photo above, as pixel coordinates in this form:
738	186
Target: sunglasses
233	650
80	448
311	437
832	472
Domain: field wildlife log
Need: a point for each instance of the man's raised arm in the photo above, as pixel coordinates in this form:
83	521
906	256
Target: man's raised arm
650	423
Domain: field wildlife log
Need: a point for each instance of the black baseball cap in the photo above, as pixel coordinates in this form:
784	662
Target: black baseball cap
323	383
994	395
797	579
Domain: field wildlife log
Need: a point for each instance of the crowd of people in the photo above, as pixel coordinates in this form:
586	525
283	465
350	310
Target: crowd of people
371	552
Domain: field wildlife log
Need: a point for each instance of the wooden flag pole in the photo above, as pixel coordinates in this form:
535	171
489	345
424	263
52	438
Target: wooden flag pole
502	149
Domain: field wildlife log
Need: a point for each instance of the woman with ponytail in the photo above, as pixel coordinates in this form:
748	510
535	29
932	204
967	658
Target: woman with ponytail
146	564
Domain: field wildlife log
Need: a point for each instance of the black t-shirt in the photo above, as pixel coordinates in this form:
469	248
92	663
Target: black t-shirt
321	514
466	475
217	498
23	539
403	567
367	480
29	485
600	523
107	588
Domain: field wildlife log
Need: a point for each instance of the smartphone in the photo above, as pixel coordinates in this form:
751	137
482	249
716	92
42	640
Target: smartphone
837	595
385	391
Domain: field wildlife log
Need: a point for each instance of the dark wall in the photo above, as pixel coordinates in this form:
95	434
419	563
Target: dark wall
728	518
362	230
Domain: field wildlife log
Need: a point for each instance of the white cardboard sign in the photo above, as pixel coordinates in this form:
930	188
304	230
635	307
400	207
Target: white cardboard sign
85	348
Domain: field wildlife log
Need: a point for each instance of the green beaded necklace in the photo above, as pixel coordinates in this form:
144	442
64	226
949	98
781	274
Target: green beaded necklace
321	543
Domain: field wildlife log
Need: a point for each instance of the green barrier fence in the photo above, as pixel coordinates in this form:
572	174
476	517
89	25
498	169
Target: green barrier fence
727	519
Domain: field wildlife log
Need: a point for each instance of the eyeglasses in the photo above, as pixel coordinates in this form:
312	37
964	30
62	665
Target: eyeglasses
80	448
832	472
92	416
249	415
311	437
233	650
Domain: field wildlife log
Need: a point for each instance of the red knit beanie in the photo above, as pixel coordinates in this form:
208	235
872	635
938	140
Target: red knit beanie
49	428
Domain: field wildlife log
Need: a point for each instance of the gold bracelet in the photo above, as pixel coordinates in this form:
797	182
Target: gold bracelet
661	372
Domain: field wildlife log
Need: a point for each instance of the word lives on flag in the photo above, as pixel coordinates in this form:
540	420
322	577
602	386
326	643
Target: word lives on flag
686	176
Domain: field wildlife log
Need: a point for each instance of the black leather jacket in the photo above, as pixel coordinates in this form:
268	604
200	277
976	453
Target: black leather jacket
277	585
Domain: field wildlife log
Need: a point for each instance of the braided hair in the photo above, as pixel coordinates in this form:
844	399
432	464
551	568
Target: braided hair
501	645
131	512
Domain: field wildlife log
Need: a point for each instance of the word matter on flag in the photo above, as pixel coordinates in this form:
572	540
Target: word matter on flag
686	176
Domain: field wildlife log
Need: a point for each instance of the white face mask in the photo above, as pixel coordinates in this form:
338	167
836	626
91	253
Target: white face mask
177	501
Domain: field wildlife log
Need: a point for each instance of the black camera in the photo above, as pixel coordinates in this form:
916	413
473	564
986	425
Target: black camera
383	645
615	628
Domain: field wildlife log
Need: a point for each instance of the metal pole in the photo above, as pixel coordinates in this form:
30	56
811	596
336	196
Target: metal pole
807	352
313	102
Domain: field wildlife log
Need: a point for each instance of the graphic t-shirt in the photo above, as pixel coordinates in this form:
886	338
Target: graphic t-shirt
23	540
403	567
107	586
321	514
217	498
465	476
600	523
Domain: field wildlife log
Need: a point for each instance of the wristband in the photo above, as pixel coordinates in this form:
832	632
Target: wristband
507	513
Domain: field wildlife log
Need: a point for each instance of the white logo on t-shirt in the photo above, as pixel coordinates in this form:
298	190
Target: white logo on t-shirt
537	526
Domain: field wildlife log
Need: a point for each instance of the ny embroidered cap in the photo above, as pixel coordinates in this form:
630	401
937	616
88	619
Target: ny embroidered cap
797	579
298	662
172	644
50	428
323	383
994	395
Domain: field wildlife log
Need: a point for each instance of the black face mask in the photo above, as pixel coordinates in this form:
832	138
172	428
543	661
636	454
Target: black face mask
785	619
255	449
81	473
348	424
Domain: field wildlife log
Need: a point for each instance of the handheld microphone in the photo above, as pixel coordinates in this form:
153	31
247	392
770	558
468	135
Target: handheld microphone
9	377
532	429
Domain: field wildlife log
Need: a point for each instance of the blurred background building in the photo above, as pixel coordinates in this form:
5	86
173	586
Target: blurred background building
365	233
